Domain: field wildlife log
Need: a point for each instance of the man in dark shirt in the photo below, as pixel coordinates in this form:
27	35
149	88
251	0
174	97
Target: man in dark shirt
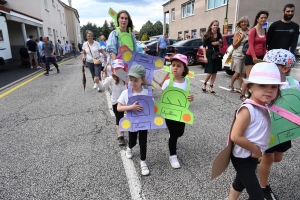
283	34
48	50
32	51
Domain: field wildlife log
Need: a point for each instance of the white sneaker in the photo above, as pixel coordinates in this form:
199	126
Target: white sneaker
144	168
174	162
128	153
39	67
95	85
31	67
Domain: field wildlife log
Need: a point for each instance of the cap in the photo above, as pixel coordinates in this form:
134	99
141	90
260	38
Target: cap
118	63
180	57
265	73
280	57
137	71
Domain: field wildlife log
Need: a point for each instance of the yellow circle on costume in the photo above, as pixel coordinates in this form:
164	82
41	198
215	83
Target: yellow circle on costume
127	56
158	121
272	139
158	63
126	124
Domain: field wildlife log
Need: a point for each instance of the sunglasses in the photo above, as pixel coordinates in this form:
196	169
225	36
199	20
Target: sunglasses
124	18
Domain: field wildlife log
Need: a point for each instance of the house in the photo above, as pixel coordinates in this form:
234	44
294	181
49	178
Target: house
191	18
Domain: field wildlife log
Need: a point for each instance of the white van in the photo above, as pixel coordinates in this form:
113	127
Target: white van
5	51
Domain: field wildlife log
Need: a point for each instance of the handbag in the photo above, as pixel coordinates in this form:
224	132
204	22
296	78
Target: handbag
96	61
216	55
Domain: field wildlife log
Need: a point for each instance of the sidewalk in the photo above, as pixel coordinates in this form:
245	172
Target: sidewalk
13	71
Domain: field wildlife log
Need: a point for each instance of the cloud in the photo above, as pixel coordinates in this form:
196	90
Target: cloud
141	11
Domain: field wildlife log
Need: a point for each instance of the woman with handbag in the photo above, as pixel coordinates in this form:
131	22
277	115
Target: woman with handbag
257	46
123	35
238	57
212	40
90	52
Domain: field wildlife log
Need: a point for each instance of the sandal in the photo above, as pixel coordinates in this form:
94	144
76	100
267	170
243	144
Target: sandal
243	97
211	89
238	90
204	87
231	88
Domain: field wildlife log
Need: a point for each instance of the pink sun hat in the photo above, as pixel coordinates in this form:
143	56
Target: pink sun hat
265	73
118	63
180	57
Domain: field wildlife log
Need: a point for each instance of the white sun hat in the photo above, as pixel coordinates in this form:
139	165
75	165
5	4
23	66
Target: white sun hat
265	73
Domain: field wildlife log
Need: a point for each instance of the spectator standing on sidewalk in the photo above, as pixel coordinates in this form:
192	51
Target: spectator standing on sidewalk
40	46
283	34
68	48
32	51
39	59
161	46
48	50
60	48
74	50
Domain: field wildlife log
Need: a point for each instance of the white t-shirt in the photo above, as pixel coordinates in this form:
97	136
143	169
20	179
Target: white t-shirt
68	47
178	85
123	99
257	132
116	90
289	86
94	49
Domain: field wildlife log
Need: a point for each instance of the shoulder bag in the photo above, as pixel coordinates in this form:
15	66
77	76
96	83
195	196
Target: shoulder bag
96	61
216	55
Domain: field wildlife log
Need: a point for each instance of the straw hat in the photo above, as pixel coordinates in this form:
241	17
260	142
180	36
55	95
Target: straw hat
265	73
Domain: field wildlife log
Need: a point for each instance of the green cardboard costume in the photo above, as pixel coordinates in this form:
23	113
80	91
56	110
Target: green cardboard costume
124	37
174	104
283	130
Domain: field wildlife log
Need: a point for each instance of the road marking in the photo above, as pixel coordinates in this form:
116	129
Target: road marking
206	74
25	82
133	178
224	88
109	104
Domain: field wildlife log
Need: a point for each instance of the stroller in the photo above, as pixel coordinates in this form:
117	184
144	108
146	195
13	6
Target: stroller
24	57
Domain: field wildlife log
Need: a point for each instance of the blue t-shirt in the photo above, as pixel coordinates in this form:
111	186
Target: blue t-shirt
162	43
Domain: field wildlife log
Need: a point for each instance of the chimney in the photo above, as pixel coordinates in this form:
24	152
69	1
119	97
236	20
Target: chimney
70	3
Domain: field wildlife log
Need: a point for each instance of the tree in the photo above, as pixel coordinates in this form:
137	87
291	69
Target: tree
146	29
157	28
92	27
111	26
105	29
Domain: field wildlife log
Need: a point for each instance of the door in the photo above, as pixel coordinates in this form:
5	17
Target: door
5	50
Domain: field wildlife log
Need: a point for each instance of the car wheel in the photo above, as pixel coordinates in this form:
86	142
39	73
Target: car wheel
229	72
191	59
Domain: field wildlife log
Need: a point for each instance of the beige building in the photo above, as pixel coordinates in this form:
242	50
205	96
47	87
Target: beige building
191	18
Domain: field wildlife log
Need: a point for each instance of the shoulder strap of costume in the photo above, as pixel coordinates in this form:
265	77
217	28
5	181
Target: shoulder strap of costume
171	80
149	91
188	84
291	81
129	91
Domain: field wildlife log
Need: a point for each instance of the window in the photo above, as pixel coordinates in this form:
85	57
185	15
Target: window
196	43
173	14
229	29
49	31
194	33
46	4
180	35
188	9
229	40
1	36
63	18
202	31
211	4
60	16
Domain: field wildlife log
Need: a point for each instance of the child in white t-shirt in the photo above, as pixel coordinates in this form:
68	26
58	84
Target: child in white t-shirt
117	86
284	60
251	129
136	75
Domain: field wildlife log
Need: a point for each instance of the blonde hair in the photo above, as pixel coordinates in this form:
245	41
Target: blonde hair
244	18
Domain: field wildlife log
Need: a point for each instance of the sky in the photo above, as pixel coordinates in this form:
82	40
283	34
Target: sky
96	11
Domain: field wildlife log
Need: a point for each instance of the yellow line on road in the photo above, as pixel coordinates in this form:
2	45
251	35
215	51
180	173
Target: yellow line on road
27	81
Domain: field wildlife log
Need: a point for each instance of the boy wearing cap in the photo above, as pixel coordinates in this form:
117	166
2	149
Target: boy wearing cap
137	79
284	59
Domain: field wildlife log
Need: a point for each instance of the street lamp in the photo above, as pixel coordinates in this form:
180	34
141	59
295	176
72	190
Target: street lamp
225	26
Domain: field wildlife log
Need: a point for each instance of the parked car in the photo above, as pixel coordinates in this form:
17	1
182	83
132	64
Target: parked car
186	47
227	41
151	47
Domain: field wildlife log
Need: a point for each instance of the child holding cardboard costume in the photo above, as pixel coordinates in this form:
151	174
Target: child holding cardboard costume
117	87
179	70
251	129
284	60
136	75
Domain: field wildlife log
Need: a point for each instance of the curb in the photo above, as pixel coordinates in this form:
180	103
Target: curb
30	75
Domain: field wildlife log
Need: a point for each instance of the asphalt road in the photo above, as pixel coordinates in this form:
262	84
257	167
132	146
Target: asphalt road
59	142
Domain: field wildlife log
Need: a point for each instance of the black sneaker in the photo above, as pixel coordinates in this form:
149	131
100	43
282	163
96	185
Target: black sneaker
58	70
121	140
268	193
46	74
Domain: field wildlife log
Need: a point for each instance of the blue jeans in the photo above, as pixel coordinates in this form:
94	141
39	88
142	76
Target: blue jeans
162	53
53	61
75	53
94	69
39	57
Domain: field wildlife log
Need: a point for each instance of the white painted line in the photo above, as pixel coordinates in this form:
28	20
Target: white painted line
133	178
224	88
206	74
109	103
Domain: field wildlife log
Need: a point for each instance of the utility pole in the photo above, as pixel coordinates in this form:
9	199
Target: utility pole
225	26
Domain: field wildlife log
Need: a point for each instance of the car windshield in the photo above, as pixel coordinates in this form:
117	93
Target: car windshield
151	43
229	40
